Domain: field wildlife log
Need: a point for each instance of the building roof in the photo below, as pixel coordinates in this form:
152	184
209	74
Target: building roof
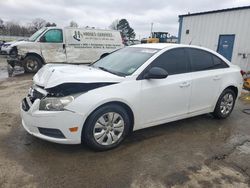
215	11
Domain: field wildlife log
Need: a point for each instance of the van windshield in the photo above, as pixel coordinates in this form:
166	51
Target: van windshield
125	61
36	34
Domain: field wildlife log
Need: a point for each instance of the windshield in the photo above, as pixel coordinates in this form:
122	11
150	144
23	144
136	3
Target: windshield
126	61
36	34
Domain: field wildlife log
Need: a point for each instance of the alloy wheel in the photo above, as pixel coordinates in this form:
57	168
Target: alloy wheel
226	104
108	128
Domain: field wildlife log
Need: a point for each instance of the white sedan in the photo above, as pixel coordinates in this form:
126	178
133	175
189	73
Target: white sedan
132	88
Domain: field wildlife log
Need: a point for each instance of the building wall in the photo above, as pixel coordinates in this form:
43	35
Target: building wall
204	30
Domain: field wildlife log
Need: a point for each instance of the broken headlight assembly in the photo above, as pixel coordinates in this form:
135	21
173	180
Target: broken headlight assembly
55	103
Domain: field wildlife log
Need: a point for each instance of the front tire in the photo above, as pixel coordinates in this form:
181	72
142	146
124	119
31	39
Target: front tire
32	64
225	104
106	127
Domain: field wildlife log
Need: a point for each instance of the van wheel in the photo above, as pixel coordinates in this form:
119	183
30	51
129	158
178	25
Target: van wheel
106	127
32	64
225	104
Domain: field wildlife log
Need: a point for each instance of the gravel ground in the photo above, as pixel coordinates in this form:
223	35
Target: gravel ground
195	152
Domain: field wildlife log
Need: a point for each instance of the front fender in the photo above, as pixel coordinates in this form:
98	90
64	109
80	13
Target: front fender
127	93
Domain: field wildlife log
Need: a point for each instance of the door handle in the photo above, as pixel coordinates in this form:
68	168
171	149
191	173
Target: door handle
63	46
184	84
217	78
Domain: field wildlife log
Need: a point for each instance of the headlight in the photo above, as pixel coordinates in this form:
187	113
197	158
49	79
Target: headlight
55	104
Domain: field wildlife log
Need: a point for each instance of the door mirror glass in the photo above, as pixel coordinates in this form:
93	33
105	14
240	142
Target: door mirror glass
156	73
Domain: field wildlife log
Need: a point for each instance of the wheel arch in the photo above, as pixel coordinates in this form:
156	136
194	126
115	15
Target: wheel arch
124	105
36	55
103	55
233	88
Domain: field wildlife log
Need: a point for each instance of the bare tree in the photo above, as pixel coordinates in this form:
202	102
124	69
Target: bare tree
1	23
114	24
38	23
73	24
48	24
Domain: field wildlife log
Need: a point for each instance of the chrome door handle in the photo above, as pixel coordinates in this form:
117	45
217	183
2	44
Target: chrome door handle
184	84
217	78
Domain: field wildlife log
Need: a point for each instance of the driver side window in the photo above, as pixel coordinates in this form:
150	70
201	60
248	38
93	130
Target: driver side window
54	36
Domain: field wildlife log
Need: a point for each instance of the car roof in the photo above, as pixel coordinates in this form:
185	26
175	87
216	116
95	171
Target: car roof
161	46
156	45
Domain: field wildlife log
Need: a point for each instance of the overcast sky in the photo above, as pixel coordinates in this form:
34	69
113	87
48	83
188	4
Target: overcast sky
100	13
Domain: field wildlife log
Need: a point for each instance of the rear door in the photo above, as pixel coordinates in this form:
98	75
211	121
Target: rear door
53	47
167	98
206	80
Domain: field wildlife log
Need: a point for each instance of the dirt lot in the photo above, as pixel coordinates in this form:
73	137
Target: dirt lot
196	152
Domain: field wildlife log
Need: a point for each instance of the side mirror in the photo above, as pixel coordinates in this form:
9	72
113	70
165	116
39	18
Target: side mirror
156	73
42	39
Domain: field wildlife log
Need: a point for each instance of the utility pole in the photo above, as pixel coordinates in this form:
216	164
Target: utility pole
151	34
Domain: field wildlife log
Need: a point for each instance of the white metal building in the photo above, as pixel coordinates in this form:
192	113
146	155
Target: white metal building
226	31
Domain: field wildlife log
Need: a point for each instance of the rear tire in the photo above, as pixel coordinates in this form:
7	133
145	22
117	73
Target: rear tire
32	64
225	104
106	127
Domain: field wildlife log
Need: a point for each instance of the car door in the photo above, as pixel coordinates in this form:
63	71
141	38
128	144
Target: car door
163	99
52	46
206	81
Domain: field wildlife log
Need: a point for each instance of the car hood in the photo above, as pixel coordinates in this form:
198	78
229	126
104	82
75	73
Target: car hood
52	75
18	43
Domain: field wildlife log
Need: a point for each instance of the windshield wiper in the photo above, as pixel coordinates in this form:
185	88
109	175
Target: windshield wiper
112	72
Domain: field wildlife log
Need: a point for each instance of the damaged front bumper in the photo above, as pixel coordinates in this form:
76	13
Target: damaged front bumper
13	62
53	126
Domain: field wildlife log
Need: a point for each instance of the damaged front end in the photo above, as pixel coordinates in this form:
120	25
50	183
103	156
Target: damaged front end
56	98
14	59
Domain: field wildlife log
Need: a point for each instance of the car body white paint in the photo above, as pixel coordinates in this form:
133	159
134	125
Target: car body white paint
152	101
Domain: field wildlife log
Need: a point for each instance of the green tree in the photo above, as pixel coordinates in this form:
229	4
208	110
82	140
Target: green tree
124	27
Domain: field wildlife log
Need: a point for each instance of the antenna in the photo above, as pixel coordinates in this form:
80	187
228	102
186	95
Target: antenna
152	24
191	41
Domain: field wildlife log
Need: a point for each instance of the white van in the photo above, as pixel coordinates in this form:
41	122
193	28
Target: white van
64	45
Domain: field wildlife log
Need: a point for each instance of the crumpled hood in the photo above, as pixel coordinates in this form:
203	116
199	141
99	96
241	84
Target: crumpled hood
52	75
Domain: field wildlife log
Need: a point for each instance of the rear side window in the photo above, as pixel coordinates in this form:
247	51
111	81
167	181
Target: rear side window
174	61
200	59
219	63
54	36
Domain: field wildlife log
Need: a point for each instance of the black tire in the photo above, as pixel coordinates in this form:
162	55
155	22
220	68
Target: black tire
88	128
32	64
218	109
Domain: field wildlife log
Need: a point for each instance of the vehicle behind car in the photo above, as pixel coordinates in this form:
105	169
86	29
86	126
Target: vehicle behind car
64	45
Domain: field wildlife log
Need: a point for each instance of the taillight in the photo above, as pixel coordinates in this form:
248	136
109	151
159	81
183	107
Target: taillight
242	72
